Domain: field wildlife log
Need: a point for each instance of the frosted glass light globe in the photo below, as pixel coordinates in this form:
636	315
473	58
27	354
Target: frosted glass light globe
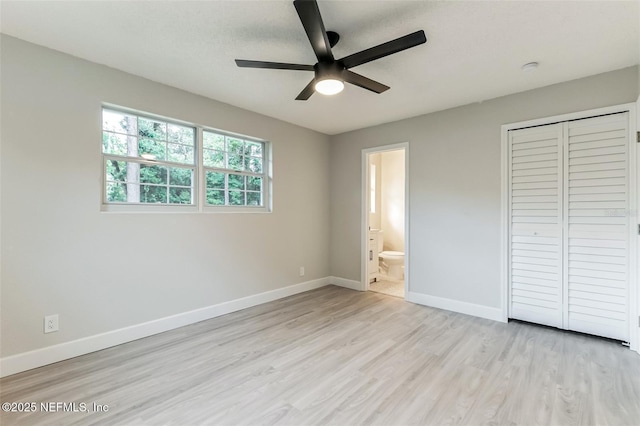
329	86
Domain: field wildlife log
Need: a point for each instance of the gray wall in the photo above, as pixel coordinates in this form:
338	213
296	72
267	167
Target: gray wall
454	178
104	271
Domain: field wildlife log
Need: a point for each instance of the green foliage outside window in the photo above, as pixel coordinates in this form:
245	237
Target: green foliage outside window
151	140
228	154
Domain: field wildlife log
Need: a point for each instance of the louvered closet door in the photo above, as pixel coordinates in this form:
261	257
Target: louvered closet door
536	224
597	241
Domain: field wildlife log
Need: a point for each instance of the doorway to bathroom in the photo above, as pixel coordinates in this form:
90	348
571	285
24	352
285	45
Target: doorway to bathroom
385	207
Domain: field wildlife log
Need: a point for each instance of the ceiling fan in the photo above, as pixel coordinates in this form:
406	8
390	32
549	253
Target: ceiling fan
330	74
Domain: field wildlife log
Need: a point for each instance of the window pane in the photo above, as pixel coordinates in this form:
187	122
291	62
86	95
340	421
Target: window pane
116	192
215	197
235	162
213	141
153	194
152	129
253	164
116	144
180	153
152	149
236	198
181	134
180	177
215	180
253	148
153	174
254	183
116	170
119	122
254	199
236	181
180	195
213	158
235	146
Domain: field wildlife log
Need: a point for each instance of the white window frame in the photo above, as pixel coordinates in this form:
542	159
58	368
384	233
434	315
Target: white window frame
198	184
265	175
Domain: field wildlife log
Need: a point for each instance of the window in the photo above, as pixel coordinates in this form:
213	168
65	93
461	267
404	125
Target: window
233	170
154	161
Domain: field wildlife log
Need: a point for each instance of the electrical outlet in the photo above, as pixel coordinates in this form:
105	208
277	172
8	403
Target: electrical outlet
302	271
51	323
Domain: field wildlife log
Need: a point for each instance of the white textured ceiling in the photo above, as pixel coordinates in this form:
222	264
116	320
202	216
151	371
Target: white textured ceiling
474	50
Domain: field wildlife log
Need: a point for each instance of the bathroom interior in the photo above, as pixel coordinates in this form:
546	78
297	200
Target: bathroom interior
386	205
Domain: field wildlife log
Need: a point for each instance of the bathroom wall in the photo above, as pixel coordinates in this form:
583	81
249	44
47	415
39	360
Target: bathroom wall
392	199
375	219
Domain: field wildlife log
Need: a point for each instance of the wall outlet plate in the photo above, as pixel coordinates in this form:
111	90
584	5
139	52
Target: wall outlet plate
51	323
302	271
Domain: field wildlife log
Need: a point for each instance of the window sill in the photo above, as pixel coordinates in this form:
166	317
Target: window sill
148	208
235	209
168	208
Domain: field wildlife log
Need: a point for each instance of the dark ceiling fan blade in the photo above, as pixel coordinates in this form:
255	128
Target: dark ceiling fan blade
307	91
364	82
312	22
384	49
272	65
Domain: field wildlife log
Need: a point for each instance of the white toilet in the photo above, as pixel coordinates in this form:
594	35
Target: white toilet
392	262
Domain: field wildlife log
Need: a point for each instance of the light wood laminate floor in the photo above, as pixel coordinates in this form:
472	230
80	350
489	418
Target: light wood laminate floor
337	356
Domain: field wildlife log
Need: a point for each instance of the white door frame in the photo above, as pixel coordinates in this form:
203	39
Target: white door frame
634	141
364	217
634	187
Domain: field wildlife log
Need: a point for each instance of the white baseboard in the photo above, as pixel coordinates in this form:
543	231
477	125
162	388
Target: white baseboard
343	282
481	311
37	358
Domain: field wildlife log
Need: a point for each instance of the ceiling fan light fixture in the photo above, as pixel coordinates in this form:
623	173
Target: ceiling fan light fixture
329	86
331	73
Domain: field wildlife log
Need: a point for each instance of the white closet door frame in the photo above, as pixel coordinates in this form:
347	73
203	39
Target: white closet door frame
634	178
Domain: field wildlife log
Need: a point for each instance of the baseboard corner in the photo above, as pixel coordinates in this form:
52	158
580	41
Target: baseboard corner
346	283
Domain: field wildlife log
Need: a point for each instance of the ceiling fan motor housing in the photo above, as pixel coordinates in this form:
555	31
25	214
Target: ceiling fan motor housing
328	70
